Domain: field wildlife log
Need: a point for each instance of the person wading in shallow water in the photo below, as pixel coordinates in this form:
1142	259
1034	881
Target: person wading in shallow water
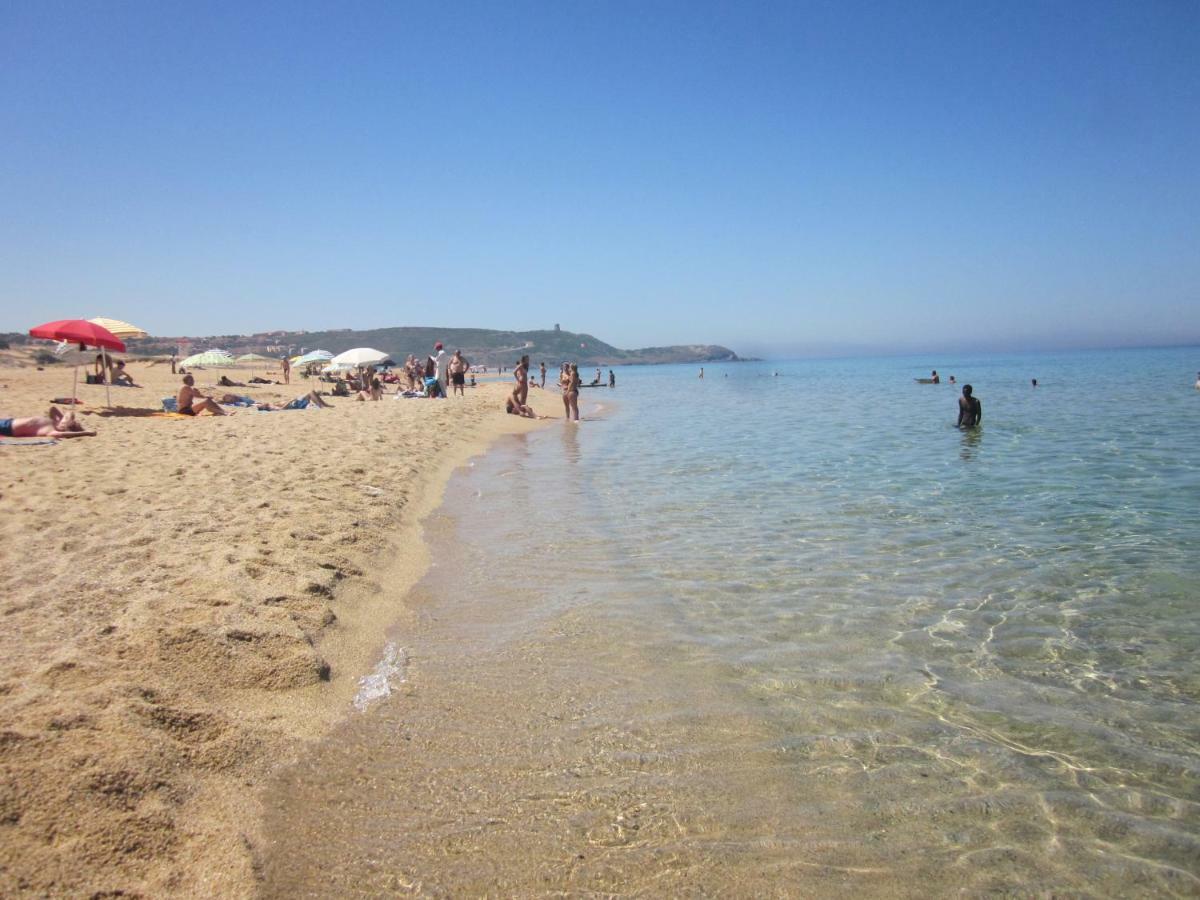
970	410
521	377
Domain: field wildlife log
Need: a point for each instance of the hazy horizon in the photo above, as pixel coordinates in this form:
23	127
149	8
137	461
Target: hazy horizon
757	176
754	350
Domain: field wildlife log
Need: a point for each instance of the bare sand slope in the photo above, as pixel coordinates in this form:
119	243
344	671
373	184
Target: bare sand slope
188	600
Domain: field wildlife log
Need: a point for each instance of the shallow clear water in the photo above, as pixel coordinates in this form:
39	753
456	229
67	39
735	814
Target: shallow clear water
790	634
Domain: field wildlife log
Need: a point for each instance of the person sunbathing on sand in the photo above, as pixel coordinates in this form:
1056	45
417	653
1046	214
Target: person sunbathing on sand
375	393
312	398
54	425
190	402
517	409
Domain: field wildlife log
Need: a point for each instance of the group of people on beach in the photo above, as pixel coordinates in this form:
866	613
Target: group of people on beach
430	379
107	370
569	383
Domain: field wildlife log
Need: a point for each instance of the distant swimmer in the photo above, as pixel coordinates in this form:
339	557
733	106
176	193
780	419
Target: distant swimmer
952	381
1033	381
1198	381
970	410
934	377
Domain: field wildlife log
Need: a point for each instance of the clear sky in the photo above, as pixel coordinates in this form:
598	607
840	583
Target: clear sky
775	177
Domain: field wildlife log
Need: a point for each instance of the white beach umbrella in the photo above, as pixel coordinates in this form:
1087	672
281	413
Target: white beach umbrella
209	358
359	356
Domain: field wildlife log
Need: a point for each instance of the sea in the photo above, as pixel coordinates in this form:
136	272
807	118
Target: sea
784	630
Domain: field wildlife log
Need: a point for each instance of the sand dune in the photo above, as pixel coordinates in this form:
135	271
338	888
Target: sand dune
189	601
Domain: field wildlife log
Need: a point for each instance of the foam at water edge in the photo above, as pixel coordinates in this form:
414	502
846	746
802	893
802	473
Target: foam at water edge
378	685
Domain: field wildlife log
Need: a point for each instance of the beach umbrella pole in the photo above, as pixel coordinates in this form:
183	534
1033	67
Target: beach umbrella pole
107	379
74	384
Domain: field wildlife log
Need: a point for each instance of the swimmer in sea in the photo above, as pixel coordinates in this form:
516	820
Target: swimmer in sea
970	410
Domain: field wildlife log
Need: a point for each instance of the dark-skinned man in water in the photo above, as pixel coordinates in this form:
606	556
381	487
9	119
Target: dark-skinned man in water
970	410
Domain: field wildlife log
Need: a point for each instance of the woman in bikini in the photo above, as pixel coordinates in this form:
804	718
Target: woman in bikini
570	389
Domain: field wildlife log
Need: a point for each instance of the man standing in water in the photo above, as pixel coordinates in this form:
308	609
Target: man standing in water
612	379
543	373
970	410
521	376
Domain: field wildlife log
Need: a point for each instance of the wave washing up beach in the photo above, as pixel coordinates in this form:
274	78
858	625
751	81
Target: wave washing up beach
191	600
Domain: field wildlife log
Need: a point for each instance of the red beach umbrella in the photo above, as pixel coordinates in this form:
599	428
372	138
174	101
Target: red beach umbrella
79	331
84	333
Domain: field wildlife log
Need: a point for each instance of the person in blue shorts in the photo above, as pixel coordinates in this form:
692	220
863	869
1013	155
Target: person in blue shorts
54	425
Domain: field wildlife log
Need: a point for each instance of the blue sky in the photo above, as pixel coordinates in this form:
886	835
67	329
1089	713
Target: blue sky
776	177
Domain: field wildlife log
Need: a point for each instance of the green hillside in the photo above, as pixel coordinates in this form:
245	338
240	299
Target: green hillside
481	346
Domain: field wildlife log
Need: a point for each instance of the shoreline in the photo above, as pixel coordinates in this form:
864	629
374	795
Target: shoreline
202	597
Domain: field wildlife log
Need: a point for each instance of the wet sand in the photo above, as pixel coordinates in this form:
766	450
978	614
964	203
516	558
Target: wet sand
190	604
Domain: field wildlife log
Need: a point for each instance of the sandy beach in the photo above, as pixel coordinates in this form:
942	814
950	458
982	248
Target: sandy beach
192	601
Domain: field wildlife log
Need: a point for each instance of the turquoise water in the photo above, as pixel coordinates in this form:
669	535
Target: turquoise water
812	638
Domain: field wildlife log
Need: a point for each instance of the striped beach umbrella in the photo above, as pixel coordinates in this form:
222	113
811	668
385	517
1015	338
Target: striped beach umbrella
121	329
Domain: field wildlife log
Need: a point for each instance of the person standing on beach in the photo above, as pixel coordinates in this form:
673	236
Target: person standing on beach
702	371
521	376
458	373
543	367
439	366
287	371
970	410
571	393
